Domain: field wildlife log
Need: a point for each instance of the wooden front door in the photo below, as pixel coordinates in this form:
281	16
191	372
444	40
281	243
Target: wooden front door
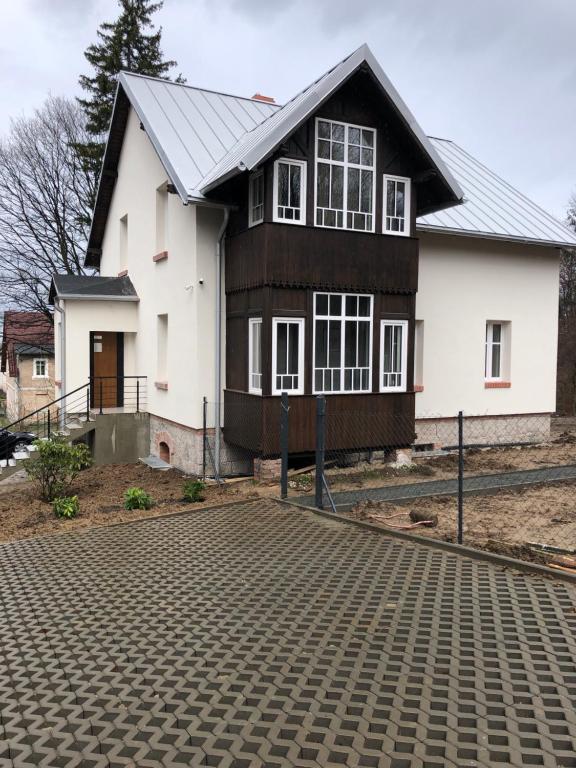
107	355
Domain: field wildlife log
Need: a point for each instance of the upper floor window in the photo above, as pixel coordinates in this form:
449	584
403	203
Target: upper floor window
396	218
255	355
345	175
393	355
342	342
256	199
40	370
289	191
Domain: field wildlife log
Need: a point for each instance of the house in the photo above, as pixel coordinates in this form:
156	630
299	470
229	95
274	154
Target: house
27	362
247	249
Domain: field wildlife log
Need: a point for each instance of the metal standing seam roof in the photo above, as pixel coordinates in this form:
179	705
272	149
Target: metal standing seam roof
92	287
492	207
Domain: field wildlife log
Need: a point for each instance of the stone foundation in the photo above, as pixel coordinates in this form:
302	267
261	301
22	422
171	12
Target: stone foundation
185	445
266	470
484	430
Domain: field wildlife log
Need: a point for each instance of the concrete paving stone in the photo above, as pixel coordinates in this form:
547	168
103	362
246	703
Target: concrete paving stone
261	636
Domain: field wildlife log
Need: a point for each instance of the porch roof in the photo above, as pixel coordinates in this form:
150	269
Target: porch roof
92	288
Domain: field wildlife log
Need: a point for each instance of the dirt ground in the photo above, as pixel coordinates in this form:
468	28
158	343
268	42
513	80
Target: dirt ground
504	522
100	491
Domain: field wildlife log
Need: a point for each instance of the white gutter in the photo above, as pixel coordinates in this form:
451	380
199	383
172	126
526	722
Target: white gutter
61	311
218	366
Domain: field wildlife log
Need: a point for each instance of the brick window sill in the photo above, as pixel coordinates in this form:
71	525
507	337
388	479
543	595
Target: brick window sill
418	388
160	256
163	385
497	384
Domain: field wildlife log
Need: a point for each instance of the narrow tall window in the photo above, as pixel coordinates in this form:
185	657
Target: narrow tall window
419	356
256	199
342	342
345	175
289	191
396	219
497	349
162	348
123	244
393	355
255	355
161	219
287	356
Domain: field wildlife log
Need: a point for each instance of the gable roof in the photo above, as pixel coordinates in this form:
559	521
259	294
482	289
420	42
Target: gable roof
25	333
92	287
492	208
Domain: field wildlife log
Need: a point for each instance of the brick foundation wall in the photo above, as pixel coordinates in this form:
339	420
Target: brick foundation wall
484	430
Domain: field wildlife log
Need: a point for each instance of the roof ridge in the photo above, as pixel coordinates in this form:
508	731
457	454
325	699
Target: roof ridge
198	88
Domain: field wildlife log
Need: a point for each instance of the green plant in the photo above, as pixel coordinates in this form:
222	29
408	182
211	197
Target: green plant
55	465
66	507
137	498
193	490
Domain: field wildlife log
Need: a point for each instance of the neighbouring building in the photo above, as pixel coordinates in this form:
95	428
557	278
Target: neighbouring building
247	249
27	362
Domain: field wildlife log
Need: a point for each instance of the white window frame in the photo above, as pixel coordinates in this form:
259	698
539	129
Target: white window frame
254	321
40	375
489	349
303	169
299	321
343	319
407	205
402	387
346	165
253	178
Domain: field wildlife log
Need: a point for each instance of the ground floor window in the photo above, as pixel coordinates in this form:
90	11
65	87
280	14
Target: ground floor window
342	342
288	356
393	355
496	351
255	355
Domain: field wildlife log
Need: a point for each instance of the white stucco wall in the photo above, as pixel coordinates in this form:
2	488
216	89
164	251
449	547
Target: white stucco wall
171	286
465	282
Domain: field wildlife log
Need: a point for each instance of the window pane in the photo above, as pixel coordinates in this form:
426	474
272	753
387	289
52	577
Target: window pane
295	174
366	192
334	359
337	132
350	343
496	332
321	344
324	149
324	129
354	135
364	306
337	187
283	198
390	208
364	344
400	188
496	361
367	157
353	189
338	152
335	304
387	363
321	304
351	306
367	138
281	347
294	329
353	154
323	185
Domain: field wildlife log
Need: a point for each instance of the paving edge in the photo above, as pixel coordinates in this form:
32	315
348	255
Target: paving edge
445	546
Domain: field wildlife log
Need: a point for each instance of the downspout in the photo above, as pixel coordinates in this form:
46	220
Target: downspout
61	311
218	366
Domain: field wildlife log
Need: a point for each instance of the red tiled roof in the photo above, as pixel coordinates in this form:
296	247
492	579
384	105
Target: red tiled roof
23	329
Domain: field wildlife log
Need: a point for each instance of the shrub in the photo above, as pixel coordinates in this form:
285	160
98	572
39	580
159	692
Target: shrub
193	490
137	498
66	507
55	465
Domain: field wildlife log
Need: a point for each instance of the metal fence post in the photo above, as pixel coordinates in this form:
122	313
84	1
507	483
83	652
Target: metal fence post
88	403
48	421
101	398
284	409
460	477
320	446
204	420
137	395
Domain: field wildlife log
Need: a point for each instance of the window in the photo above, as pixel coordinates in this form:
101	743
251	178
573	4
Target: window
419	356
161	218
289	191
162	348
40	368
497	359
345	162
396	219
393	355
342	342
256	199
255	355
287	356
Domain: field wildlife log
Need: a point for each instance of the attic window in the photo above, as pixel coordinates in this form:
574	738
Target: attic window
290	191
256	199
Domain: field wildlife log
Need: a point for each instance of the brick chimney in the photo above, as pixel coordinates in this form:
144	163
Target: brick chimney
260	97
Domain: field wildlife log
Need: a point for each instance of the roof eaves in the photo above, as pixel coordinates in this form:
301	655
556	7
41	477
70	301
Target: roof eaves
503	237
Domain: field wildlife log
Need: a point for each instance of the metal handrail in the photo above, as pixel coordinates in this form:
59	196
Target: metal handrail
45	407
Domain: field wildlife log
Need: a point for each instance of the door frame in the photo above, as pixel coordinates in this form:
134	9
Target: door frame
119	366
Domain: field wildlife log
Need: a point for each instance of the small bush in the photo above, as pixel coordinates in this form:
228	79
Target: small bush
55	465
66	507
137	498
193	490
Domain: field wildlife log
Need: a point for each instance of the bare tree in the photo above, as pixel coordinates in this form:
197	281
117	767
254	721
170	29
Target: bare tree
45	194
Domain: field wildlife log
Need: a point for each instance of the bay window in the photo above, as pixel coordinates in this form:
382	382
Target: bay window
393	355
255	355
396	218
345	175
342	342
289	195
287	356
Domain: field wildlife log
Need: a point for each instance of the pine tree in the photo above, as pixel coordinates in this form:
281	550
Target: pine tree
123	44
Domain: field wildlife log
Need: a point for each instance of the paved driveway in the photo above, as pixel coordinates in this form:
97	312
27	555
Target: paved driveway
263	635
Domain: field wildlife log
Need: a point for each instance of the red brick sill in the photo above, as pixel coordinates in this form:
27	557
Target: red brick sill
160	256
497	384
161	385
418	388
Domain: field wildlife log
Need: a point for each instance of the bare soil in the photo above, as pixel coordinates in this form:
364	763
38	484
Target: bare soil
100	491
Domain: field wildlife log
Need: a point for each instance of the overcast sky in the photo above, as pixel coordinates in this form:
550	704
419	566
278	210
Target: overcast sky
497	76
